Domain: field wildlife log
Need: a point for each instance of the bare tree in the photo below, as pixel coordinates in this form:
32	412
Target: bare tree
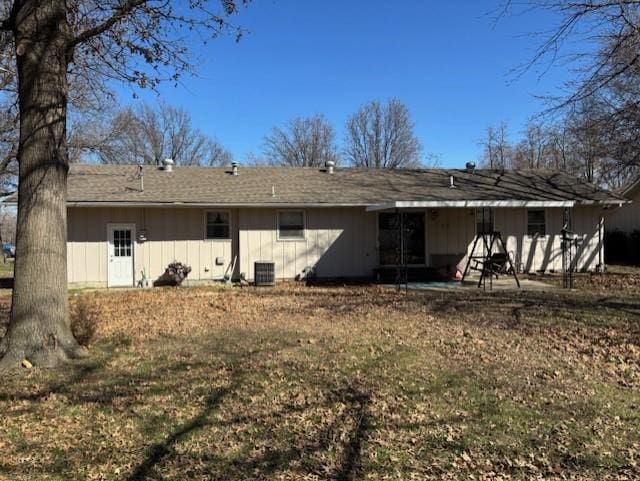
304	142
382	137
599	41
87	101
53	42
7	226
576	144
149	134
601	38
251	159
8	150
531	151
497	149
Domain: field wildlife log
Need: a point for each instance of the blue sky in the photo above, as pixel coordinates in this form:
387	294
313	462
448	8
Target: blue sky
448	61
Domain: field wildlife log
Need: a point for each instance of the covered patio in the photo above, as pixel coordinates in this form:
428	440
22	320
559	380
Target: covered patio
484	243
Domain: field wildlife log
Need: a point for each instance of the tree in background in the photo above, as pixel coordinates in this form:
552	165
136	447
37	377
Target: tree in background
530	152
53	43
599	117
496	148
575	145
382	137
148	135
251	159
303	142
8	226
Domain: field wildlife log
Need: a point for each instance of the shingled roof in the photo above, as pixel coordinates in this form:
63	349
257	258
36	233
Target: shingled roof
274	186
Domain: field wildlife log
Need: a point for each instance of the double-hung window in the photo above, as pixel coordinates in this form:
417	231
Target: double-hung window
536	223
291	225
218	226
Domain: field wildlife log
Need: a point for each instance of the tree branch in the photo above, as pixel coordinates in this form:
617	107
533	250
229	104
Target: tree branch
7	24
118	15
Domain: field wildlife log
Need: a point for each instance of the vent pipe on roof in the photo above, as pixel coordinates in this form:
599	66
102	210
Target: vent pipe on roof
234	167
330	165
141	177
167	165
471	167
452	183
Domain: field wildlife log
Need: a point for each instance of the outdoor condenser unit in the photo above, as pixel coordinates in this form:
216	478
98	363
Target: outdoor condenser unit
265	273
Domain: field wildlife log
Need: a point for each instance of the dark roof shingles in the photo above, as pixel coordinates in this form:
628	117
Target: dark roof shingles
253	185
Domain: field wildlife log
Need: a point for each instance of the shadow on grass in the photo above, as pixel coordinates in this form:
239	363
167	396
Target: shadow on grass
159	452
220	371
525	311
272	460
539	311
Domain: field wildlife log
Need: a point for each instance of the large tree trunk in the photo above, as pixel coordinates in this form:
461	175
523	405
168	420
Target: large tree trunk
39	329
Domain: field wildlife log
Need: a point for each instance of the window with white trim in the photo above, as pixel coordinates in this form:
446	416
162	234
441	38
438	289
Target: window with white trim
218	225
291	225
536	222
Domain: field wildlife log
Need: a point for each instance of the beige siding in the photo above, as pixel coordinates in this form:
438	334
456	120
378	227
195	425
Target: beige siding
626	218
451	232
338	242
172	234
588	224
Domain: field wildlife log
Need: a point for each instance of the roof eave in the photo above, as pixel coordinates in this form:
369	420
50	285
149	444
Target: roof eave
210	204
370	207
488	203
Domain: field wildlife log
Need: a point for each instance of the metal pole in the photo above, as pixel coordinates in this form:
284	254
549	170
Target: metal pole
398	248
600	244
404	254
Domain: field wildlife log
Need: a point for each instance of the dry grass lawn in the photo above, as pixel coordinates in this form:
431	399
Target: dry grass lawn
334	383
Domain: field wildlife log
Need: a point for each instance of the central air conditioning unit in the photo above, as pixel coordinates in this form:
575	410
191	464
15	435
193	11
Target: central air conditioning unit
264	273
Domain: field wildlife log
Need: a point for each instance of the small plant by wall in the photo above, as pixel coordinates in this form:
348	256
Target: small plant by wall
174	274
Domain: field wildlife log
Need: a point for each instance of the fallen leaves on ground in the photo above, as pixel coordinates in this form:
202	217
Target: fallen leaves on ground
335	383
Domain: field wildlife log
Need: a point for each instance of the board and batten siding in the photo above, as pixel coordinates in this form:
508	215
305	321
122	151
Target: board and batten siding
451	232
339	242
627	217
176	234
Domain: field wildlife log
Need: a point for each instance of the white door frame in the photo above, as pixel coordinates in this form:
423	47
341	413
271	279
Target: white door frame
110	228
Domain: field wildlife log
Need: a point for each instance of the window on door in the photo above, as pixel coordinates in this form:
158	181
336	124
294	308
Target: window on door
411	250
122	243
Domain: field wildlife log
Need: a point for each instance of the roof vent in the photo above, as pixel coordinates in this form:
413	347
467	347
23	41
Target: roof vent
141	177
330	166
471	167
452	182
234	167
167	165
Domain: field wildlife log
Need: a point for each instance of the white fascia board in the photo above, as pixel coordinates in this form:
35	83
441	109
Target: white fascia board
615	203
470	203
369	207
279	205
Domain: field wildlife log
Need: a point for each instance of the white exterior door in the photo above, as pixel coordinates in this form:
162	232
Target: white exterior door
120	255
